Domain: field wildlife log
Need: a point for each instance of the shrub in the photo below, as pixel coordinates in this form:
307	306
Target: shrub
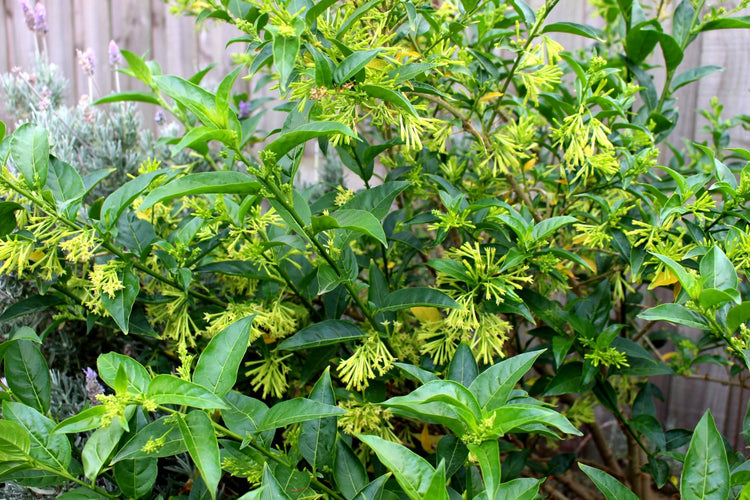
511	217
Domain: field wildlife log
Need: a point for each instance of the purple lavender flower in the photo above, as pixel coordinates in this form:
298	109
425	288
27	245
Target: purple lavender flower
115	57
3	383
28	14
245	109
40	20
93	387
86	60
160	118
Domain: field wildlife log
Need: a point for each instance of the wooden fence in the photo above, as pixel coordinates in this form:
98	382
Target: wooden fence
146	26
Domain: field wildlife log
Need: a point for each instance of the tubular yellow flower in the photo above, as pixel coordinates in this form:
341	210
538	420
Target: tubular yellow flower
270	375
370	357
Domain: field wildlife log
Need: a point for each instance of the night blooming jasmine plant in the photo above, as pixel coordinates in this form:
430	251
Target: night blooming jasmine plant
509	261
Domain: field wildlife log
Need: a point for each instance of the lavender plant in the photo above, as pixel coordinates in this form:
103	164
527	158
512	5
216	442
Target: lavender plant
512	216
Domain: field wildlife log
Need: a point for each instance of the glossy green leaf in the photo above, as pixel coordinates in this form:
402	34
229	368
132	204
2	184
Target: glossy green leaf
377	200
488	456
417	373
200	441
15	443
355	220
317	438
522	488
717	271
688	281
201	135
453	452
374	490
85	420
221	182
171	444
316	10
327	332
168	389
133	96
352	18
409	71
8	221
53	450
676	313
123	196
463	367
739	22
296	410
121	305
28	375
220	361
271	488
573	29
393	97
136	478
546	228
693	75
101	445
292	138
198	100
412	472
137	67
66	185
29	148
29	305
353	64
138	377
493	386
285	50
705	474
23	333
608	485
406	298
244	413
437	488
442	401
348	472
513	416
736	316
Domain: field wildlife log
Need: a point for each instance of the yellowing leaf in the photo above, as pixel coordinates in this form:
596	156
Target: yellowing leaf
591	263
529	165
490	95
426	314
407	53
664	277
428	441
36	255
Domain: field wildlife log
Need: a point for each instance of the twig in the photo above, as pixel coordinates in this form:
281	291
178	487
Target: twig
576	487
552	492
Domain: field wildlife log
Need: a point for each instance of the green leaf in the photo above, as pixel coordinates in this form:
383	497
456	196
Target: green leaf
224	92
28	375
100	446
168	389
360	221
316	10
133	96
83	421
738	22
199	101
137	67
513	416
377	200
453	452
123	196
121	305
441	401
523	488
438	487
285	50
374	490
271	488
417	373
29	148
201	136
705	475
136	478
23	333
53	450
327	332
547	227
353	64
611	487
391	96
293	138
30	305
488	455
352	18
493	386
687	280
348	472
406	298
412	472
317	438
737	315
409	71
166	428
463	367
244	413
574	29
693	74
676	313
296	410
717	271
220	361
8	221
203	447
66	185
221	182
108	365
81	493
15	444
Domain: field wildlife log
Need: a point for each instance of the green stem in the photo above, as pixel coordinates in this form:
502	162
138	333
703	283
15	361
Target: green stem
64	474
